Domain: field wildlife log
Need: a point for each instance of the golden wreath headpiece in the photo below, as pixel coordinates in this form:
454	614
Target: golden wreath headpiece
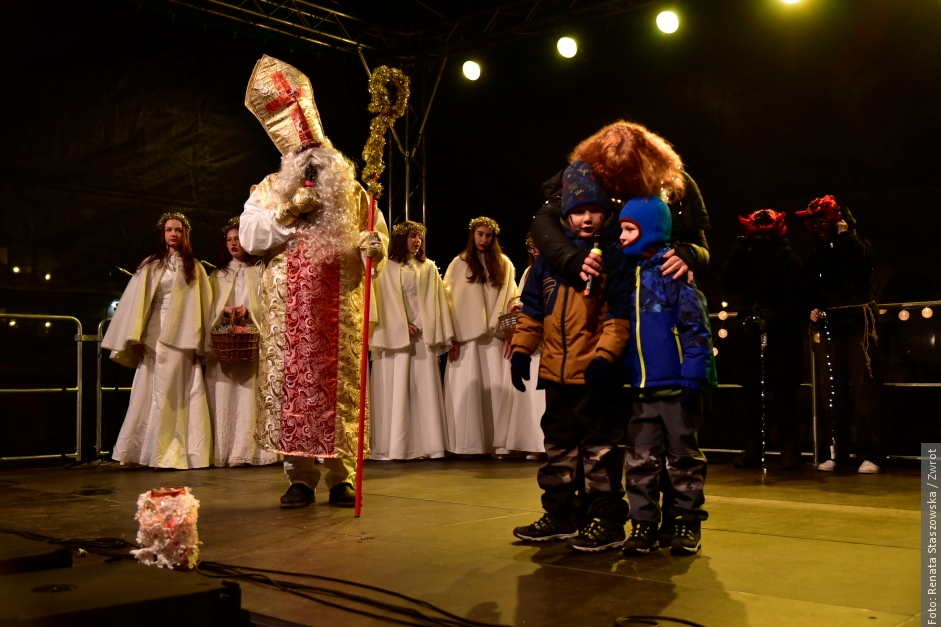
407	226
490	223
233	223
282	99
174	215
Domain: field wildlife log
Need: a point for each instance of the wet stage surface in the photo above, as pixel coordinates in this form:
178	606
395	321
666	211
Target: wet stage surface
798	548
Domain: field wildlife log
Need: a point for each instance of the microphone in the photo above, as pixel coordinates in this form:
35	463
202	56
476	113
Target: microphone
595	248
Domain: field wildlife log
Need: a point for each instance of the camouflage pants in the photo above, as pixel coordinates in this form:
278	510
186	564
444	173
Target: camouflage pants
585	466
671	427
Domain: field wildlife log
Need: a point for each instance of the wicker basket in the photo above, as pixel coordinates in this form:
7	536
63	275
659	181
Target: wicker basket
231	346
507	321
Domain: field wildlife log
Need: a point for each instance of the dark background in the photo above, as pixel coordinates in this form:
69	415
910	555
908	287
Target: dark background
116	113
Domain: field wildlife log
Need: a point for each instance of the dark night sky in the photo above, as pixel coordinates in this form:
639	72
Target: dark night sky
116	114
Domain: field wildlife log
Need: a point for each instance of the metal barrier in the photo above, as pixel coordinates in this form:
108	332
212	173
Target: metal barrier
79	338
99	389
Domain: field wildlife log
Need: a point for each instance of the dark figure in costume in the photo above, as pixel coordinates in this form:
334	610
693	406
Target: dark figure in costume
766	274
630	161
838	276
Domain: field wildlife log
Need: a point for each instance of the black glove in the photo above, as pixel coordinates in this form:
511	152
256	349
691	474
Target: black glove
519	370
599	372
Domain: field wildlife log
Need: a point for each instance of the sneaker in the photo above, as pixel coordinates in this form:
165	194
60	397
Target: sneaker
643	539
545	529
298	495
827	466
687	539
868	468
598	535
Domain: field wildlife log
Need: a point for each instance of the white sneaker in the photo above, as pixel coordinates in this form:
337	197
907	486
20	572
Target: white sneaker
868	468
827	466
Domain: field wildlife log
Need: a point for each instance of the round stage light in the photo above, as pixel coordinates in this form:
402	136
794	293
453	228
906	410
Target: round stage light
48	277
816	338
668	22
882	312
48	324
715	351
12	323
790	1
725	304
903	315
471	70
567	47
723	315
926	312
16	269
723	333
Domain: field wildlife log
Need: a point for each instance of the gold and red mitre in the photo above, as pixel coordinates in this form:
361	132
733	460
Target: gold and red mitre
282	99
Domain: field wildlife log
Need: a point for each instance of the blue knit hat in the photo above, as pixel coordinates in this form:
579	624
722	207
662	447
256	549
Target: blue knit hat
652	217
580	187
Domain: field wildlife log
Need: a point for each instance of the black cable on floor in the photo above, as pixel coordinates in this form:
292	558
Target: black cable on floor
400	614
654	621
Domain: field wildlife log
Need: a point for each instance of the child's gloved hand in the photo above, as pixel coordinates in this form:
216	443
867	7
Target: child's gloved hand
599	372
519	370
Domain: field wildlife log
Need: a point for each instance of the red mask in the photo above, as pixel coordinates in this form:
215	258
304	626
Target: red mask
825	207
764	222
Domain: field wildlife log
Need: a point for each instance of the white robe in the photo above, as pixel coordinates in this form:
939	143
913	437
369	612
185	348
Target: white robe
407	406
167	423
232	387
475	384
525	409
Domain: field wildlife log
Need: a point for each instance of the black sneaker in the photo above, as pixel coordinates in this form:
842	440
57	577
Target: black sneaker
545	529
298	495
687	538
643	539
599	535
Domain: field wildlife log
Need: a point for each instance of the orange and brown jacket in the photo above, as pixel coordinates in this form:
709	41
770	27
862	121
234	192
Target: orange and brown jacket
575	328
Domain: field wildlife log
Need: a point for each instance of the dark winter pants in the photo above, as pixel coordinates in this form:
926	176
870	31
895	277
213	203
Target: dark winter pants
667	427
855	394
582	431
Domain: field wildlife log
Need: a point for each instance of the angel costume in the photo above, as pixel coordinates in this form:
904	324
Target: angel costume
167	423
475	384
308	233
407	403
521	426
232	387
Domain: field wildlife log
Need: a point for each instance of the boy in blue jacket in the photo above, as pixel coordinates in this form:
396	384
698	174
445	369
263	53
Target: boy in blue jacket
670	362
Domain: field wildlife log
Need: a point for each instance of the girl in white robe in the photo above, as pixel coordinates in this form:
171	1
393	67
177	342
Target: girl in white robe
481	283
231	387
161	328
411	327
525	409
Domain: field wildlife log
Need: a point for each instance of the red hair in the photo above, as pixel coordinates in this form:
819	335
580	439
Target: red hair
631	161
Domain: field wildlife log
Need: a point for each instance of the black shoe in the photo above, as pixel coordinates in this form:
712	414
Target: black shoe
545	529
687	539
643	539
342	495
599	535
298	495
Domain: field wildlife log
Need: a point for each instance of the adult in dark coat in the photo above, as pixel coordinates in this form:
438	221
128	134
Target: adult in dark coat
838	275
766	276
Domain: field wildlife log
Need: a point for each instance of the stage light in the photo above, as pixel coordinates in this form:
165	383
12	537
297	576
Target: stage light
882	312
723	315
16	269
903	315
926	312
48	277
567	47
12	323
724	304
723	333
668	22
48	324
715	351
790	1
471	70
816	338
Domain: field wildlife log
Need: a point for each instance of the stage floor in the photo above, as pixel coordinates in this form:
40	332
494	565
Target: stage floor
805	548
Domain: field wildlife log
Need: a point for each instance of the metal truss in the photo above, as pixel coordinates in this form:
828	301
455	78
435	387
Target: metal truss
437	35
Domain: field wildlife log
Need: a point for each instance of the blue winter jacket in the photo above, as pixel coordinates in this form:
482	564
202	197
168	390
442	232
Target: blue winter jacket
671	343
